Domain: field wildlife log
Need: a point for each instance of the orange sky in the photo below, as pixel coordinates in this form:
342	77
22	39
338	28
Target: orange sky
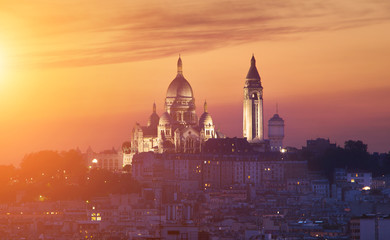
80	73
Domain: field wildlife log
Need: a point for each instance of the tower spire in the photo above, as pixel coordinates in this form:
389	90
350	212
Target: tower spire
205	106
154	107
179	66
253	73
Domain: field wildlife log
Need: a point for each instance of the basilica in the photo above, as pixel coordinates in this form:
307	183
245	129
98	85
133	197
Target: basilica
178	129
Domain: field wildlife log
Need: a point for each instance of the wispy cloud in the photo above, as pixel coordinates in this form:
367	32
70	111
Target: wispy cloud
69	34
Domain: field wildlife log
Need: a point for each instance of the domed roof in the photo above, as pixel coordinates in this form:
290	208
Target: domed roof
206	118
276	118
179	87
154	118
165	119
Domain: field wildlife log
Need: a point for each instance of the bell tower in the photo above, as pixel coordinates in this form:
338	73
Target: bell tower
253	125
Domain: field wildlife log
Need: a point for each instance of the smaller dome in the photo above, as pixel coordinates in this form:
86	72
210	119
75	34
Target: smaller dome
205	119
153	120
276	118
165	119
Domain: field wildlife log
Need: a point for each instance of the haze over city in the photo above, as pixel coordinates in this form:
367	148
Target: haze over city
83	76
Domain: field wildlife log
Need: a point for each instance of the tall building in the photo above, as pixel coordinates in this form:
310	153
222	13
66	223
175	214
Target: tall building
276	132
253	125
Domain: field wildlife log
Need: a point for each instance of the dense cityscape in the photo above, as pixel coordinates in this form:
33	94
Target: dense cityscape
180	177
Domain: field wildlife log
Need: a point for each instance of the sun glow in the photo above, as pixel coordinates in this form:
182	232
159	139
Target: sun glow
2	65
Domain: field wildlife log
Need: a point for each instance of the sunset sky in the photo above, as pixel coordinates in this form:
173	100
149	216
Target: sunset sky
81	73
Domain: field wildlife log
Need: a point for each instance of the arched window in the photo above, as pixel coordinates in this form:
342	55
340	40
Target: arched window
190	145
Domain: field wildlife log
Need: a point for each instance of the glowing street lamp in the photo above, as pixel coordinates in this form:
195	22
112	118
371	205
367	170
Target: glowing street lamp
94	163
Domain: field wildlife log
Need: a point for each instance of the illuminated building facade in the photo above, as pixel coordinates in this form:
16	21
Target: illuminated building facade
178	129
109	159
253	126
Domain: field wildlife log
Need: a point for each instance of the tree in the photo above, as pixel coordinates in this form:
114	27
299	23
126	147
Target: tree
355	146
40	164
356	155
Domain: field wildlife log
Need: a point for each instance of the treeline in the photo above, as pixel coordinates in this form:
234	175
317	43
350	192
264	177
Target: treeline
51	175
353	156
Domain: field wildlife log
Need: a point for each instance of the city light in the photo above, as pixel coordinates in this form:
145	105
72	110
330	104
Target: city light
41	198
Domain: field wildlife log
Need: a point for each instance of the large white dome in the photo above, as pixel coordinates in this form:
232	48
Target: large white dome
179	87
